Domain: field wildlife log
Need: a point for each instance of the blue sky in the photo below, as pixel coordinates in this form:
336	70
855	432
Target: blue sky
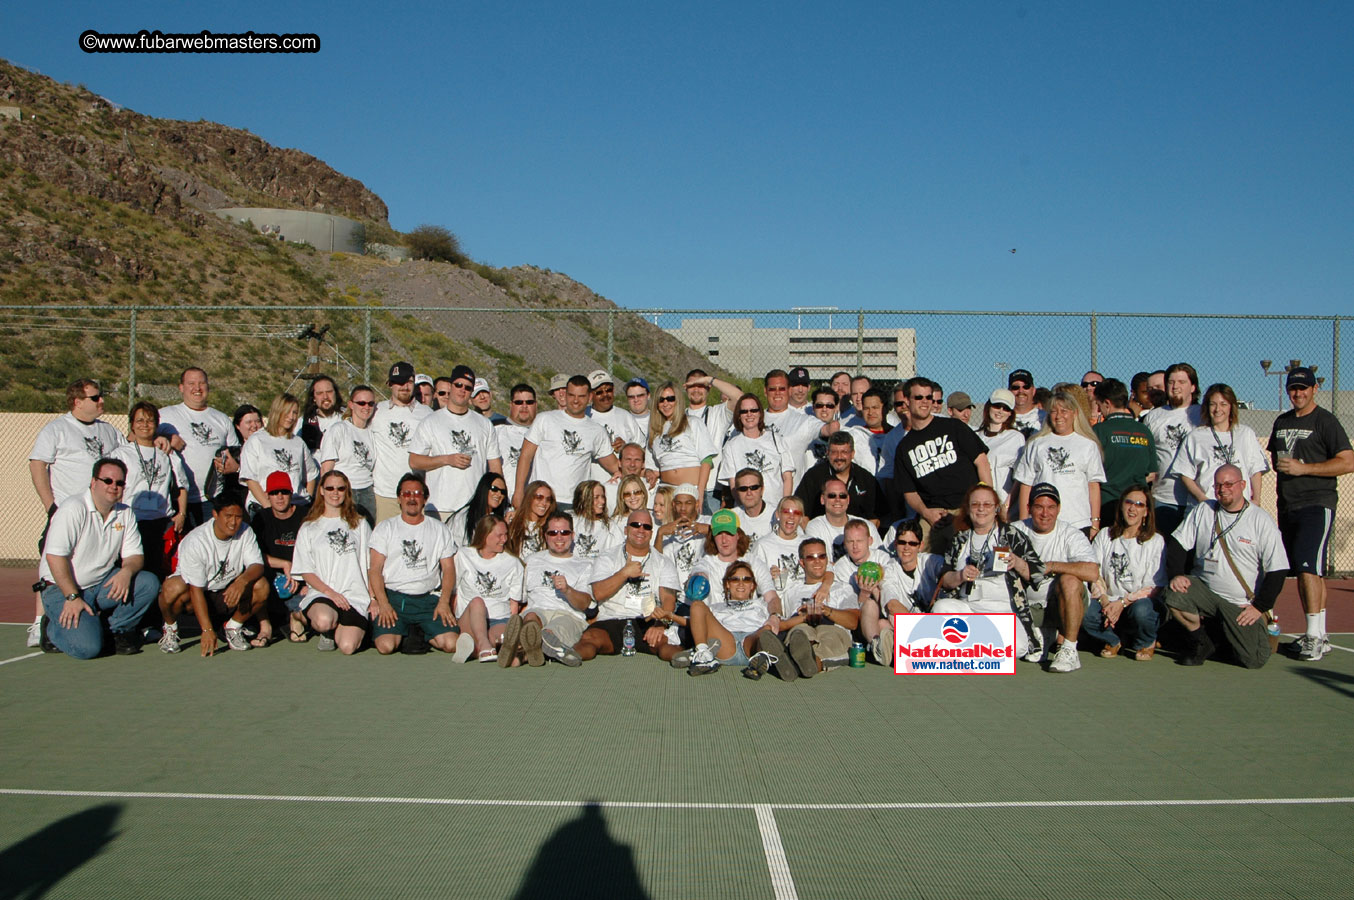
1149	157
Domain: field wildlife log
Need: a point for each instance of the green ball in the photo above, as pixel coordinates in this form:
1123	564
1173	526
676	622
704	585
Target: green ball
870	570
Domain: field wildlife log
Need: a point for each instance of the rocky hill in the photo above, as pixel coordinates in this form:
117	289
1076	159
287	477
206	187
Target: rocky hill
103	205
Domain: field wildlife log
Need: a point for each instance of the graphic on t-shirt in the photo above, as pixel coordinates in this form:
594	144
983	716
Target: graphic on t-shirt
283	458
572	443
1224	454
757	460
666	444
362	453
1175	434
585	545
686	555
514	454
1291	436
461	441
486	584
412	553
399	433
533	542
1028	430
94	447
1059	461
202	433
220	572
341	541
548	578
1119	565
929	456
636	587
789	563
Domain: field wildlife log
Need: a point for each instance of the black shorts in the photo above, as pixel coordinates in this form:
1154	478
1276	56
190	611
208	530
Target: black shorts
349	617
615	629
1306	538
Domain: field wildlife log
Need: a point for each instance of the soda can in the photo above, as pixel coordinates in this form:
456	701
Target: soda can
857	656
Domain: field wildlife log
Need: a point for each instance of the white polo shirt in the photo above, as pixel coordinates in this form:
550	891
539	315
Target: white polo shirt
92	543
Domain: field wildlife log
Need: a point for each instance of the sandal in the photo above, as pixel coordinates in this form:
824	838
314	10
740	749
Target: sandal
297	634
1109	651
488	656
1145	653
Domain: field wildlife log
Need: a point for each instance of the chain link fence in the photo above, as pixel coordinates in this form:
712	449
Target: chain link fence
253	353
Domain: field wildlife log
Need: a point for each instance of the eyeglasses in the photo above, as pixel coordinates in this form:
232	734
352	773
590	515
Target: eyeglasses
741	579
636	396
95	397
982	504
1135	503
495	489
647	526
777	390
530	402
1228	484
336	488
811	556
667	399
362	402
835	496
903	543
113	481
558	532
824	406
789	511
404	495
743	488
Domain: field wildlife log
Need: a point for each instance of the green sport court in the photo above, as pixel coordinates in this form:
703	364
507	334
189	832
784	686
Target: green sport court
287	772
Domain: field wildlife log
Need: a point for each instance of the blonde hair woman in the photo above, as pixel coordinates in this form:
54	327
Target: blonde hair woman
1066	454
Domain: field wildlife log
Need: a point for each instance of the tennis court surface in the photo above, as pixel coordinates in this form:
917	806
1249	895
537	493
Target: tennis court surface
286	772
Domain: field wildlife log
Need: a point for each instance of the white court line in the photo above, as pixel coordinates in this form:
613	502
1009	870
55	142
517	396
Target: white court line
781	882
657	804
6	662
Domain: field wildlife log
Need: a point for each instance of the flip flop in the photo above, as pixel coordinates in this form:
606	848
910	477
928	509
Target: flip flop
297	632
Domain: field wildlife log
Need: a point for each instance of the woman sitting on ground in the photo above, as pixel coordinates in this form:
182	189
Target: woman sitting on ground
331	555
1132	575
725	630
488	586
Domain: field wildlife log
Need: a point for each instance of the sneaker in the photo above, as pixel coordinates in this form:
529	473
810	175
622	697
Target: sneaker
835	662
881	647
703	660
236	640
801	654
1038	644
169	641
126	643
1066	659
415	643
326	643
512	636
558	650
532	644
465	648
771	645
1316	648
759	665
683	658
34	633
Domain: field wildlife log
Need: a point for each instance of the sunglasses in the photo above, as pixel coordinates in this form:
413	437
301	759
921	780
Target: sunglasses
444	393
1020	386
824	406
404	495
278	492
531	402
927	398
336	488
741	579
903	543
647	526
543	498
1086	384
667	399
558	532
95	397
1136	503
113	481
1001	406
461	385
743	488
835	496
748	412
810	556
362	402
495	489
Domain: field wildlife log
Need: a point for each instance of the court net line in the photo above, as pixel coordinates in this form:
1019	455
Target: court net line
661	804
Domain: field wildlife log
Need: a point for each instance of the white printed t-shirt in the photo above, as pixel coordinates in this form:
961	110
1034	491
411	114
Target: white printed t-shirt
337	555
413	554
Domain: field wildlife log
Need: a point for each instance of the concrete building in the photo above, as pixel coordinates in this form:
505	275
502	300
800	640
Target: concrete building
740	347
321	230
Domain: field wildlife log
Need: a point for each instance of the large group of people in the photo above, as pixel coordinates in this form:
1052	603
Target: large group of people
700	523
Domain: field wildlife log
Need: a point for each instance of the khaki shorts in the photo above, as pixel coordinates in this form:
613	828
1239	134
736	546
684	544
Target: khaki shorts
565	625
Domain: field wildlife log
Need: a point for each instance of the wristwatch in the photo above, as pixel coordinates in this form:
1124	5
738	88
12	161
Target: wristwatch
73	596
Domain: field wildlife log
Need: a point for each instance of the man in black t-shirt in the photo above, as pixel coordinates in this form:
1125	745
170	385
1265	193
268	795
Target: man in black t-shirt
275	526
936	462
1309	450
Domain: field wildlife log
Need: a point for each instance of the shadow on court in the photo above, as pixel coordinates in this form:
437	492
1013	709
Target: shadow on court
581	860
33	866
1336	681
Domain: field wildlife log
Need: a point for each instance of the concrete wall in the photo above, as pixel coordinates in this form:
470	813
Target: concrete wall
321	230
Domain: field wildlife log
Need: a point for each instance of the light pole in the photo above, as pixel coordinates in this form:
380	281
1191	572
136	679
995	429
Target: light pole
1001	368
1281	374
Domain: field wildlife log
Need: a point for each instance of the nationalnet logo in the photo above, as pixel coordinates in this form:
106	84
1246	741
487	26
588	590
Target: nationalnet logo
940	644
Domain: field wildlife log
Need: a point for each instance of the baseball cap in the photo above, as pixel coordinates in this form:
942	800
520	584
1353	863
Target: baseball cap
420	378
1301	377
401	373
1044	489
277	481
639	381
559	381
480	385
1002	396
597	378
724	521
1020	375
463	372
799	375
959	400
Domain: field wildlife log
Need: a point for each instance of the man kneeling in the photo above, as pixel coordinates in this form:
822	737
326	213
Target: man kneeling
220	574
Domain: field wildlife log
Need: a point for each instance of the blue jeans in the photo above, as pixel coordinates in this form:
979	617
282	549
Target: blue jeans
85	640
1138	621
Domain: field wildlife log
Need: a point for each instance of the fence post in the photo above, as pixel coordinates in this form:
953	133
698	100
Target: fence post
366	346
1335	371
131	363
610	339
1095	349
860	342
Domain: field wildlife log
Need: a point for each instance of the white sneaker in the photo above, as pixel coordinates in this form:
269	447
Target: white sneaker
1035	653
235	638
1313	648
1066	659
169	641
34	633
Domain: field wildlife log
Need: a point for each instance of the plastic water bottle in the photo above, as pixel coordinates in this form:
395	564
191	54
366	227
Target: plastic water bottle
628	640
